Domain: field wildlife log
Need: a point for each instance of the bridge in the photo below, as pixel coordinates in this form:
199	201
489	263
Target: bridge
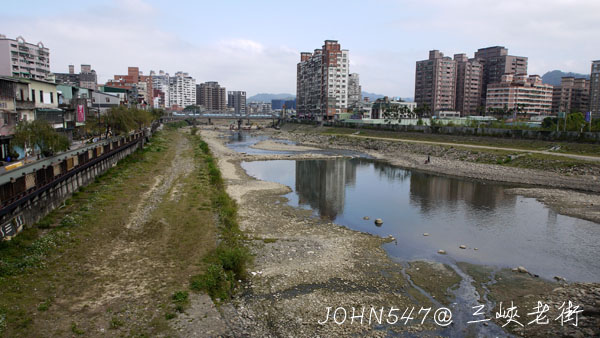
217	115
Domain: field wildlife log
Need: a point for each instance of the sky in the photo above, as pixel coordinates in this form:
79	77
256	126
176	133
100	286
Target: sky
255	45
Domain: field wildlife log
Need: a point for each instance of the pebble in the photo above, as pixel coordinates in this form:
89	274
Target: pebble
442	252
522	269
475	249
426	234
379	221
366	218
463	246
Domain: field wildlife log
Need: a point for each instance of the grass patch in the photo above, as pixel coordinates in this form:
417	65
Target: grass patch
227	264
115	323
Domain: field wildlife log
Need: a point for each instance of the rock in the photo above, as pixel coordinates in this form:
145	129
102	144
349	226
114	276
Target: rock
463	246
522	269
366	218
426	234
475	249
379	221
442	252
559	278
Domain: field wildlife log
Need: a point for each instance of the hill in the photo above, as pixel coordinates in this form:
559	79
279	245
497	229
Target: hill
266	97
553	77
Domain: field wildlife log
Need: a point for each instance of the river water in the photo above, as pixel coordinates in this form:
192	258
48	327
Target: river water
508	230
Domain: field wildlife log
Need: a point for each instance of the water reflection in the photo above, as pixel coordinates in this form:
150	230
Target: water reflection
322	184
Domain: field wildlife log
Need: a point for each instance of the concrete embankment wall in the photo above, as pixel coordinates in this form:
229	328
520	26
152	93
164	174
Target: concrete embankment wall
546	135
25	200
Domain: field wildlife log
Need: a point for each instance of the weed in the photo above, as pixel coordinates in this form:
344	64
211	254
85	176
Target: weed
115	323
45	305
76	330
169	315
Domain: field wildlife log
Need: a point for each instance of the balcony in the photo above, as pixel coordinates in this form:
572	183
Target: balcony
25	104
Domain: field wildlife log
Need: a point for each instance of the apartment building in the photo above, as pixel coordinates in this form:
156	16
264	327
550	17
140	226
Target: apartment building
496	63
237	101
182	90
211	96
160	89
469	82
20	58
573	95
87	77
435	82
322	82
594	95
520	94
354	90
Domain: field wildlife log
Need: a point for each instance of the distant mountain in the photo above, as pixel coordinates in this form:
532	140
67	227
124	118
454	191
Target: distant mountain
553	77
371	96
265	97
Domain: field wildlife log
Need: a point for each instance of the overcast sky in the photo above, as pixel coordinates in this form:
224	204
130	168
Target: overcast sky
255	45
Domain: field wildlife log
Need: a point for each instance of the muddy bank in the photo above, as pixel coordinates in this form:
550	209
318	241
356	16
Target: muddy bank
305	265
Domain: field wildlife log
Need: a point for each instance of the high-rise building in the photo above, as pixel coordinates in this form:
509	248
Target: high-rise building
435	81
161	91
469	76
20	58
354	89
237	101
211	96
182	90
595	88
496	63
572	95
520	94
322	82
86	78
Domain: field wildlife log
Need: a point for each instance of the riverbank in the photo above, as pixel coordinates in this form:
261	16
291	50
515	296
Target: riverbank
305	264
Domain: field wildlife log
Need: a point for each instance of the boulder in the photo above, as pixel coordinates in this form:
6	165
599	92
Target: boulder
379	221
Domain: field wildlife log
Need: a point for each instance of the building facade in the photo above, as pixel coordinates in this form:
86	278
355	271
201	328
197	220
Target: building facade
354	90
20	58
595	88
322	82
87	77
496	63
137	82
520	94
237	101
182	90
469	78
160	89
573	95
435	82
211	96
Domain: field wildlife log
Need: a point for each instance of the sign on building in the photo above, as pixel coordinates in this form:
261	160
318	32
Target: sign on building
80	113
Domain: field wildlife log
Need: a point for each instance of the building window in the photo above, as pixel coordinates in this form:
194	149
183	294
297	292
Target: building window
51	97
42	96
33	95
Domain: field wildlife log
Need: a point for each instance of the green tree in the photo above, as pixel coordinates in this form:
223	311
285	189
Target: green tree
39	134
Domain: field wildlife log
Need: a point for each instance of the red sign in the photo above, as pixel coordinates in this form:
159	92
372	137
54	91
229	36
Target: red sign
80	113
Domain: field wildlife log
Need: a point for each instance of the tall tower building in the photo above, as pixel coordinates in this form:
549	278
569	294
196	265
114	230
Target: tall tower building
182	90
237	101
322	82
435	81
354	90
469	77
211	96
595	88
496	63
